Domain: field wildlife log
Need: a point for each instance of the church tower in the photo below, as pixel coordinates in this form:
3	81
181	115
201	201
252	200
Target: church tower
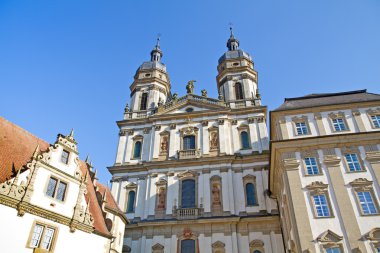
237	79
150	87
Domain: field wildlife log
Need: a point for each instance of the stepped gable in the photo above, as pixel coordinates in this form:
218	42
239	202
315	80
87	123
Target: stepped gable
16	149
321	99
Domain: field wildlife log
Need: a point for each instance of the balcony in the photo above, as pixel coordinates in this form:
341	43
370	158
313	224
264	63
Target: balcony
187	213
189	154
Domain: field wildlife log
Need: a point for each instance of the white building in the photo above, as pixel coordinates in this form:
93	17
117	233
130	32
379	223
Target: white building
50	200
325	171
191	172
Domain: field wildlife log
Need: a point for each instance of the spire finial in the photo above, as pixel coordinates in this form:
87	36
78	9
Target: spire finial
87	159
36	151
71	133
231	28
156	53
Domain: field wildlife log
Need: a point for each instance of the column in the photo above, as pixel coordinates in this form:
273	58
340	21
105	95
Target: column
283	128
339	191
239	200
373	158
358	120
206	190
156	142
225	190
297	206
222	137
252	122
128	149
140	201
205	138
320	126
173	147
121	146
263	131
147	197
201	199
231	191
146	144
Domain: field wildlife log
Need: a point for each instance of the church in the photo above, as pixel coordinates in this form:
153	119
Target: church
195	174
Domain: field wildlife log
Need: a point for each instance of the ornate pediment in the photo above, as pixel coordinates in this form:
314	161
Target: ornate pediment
131	185
256	244
161	182
361	184
329	237
157	246
187	174
374	234
218	245
195	102
188	130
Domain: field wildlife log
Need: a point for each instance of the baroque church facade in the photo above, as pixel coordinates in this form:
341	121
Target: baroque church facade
195	174
191	172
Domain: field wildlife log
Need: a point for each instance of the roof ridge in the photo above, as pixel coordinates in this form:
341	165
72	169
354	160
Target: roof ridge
318	95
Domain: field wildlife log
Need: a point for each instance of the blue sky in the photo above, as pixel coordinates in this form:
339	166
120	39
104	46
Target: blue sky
69	64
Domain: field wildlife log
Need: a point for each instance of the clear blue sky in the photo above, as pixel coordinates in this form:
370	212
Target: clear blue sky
69	63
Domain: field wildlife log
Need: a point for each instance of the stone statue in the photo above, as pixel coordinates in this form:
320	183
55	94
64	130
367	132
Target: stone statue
190	87
220	97
160	102
175	96
214	140
164	144
215	194
204	93
161	198
126	109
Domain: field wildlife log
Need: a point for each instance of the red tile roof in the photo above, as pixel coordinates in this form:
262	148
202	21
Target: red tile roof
16	149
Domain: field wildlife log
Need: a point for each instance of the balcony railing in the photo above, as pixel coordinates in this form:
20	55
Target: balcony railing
187	213
189	154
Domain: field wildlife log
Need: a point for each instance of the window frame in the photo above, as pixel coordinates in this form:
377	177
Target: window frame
137	138
364	185
373	113
185	176
244	128
130	187
359	161
250	179
54	197
189	131
336	116
241	91
68	156
45	226
316	164
141	101
319	188
301	119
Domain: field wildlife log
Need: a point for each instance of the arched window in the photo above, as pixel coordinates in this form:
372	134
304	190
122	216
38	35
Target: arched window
188	246
257	251
238	91
244	140
137	150
188	193
143	101
251	195
131	202
189	142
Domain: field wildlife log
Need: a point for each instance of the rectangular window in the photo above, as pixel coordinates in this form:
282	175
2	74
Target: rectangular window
143	102
42	236
353	162
333	250
376	120
366	203
339	124
321	205
56	189
311	166
65	157
301	128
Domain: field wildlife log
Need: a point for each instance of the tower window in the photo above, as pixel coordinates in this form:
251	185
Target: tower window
137	150
143	102
251	195
188	193
238	91
189	109
244	140
131	202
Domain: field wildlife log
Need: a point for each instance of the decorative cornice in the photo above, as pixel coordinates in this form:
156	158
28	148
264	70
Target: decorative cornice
373	156
290	164
331	160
